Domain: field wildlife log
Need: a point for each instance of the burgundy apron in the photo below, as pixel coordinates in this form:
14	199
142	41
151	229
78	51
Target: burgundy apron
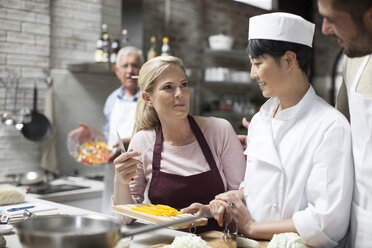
181	191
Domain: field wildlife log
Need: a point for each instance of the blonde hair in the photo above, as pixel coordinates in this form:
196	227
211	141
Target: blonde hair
146	116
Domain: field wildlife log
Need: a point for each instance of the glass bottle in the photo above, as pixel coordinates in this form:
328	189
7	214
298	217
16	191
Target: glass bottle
115	47
152	51
124	38
99	51
165	49
106	44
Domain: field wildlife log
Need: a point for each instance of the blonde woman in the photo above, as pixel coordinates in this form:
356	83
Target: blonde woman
180	157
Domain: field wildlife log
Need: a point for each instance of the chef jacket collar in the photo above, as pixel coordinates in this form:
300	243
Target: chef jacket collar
269	107
120	95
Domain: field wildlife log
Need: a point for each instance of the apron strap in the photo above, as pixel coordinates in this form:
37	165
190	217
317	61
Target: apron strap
202	142
156	157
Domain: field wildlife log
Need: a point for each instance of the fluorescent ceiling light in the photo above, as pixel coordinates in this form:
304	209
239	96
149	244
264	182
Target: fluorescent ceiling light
263	4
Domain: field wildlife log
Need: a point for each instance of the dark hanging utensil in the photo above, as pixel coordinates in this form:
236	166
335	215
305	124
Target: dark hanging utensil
39	127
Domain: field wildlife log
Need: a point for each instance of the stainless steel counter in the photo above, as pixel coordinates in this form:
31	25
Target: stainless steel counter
94	190
89	198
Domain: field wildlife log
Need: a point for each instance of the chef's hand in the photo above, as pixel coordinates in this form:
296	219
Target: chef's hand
220	204
82	133
197	209
234	206
218	209
117	151
238	210
243	138
126	165
228	196
245	123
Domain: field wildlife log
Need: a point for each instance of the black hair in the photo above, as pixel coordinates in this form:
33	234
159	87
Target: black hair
277	49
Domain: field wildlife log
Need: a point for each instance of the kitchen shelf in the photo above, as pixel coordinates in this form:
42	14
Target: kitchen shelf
239	54
234	118
228	115
94	67
230	86
213	96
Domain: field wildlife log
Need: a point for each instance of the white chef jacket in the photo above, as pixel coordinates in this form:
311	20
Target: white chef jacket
120	116
300	166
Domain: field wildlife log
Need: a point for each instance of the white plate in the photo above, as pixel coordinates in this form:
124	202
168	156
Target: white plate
5	228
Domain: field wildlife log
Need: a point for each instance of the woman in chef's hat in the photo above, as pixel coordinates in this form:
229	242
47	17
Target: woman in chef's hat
299	172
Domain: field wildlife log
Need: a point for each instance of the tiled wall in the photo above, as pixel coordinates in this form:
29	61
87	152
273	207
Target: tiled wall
25	54
37	36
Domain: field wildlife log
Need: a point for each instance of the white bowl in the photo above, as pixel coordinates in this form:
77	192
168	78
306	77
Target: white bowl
220	42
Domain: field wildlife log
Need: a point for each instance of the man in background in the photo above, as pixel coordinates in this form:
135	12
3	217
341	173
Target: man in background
350	21
119	110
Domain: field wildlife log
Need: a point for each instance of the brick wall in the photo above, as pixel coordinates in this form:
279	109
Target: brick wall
24	54
37	36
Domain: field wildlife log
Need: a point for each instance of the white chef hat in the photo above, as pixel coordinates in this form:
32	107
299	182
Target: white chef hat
282	27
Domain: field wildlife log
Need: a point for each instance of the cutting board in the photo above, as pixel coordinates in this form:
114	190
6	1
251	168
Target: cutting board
127	211
214	239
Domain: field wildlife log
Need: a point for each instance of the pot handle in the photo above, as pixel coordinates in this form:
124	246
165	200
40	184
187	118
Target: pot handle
35	98
148	228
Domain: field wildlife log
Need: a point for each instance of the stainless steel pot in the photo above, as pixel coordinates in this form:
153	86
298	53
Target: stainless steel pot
69	231
81	231
32	177
27	178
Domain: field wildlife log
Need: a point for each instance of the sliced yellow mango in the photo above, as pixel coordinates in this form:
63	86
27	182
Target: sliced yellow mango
157	210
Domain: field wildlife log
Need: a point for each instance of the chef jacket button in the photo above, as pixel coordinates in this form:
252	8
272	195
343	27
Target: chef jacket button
275	205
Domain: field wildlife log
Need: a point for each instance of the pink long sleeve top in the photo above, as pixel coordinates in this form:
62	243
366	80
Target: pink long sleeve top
189	159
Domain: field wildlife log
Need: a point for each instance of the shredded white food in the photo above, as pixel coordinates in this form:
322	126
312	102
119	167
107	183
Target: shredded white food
247	243
123	243
11	196
287	240
188	241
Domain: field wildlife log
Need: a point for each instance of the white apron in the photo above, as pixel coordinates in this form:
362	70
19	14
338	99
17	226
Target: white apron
122	120
361	127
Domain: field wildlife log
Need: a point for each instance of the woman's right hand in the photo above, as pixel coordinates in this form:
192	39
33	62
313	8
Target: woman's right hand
126	165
